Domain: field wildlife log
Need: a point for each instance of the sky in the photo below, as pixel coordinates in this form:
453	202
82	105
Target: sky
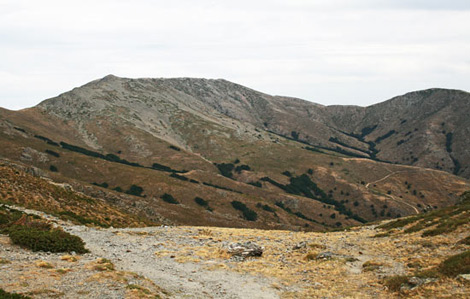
347	52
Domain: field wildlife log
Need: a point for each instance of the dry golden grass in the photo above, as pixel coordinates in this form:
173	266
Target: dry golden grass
70	258
44	264
356	269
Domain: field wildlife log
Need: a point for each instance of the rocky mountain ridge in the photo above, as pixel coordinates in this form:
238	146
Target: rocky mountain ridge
291	163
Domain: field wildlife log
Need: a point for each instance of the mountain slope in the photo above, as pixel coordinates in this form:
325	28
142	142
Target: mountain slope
131	141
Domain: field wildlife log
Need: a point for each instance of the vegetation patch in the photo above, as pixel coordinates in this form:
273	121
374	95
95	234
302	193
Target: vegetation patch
203	203
265	207
394	283
38	235
248	213
47	140
52	153
456	264
135	190
169	199
179	177
6	295
304	186
385	136
225	169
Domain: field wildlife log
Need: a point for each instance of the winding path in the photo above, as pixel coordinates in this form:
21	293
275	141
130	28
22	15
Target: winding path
391	196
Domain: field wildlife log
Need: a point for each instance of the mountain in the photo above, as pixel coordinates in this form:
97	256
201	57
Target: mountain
211	152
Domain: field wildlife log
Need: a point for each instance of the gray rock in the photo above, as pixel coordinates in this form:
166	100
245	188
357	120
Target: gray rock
300	245
245	250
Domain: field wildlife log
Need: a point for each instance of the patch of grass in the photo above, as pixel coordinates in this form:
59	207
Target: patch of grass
103	264
311	256
394	283
456	264
139	288
44	264
371	266
6	295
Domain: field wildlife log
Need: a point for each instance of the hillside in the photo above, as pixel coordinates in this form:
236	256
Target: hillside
210	152
417	257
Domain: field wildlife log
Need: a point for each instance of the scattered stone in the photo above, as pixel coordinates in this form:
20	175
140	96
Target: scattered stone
300	245
325	255
244	250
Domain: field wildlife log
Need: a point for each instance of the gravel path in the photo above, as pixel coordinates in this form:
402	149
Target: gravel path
134	250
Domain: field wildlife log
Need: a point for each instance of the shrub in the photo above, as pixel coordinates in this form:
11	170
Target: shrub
53	168
203	203
265	207
179	177
118	189
248	213
239	168
52	153
226	169
104	184
7	295
394	283
135	190
175	148
54	240
456	264
169	199
256	184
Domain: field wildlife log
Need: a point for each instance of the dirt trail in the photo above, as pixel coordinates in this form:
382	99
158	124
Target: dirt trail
391	196
134	250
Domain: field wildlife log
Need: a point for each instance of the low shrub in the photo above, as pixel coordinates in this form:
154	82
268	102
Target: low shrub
169	199
52	153
394	283
265	207
135	190
6	295
53	240
202	202
456	264
248	213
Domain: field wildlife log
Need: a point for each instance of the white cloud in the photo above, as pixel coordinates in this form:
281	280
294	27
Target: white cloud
332	52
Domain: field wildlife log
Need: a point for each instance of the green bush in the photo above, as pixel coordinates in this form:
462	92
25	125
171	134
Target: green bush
169	199
203	203
6	295
53	168
54	240
226	169
456	264
135	190
265	207
394	283
248	213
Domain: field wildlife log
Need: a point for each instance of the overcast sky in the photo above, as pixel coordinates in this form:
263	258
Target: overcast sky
330	52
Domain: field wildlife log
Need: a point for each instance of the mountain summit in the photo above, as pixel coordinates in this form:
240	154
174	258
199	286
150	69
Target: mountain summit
212	152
